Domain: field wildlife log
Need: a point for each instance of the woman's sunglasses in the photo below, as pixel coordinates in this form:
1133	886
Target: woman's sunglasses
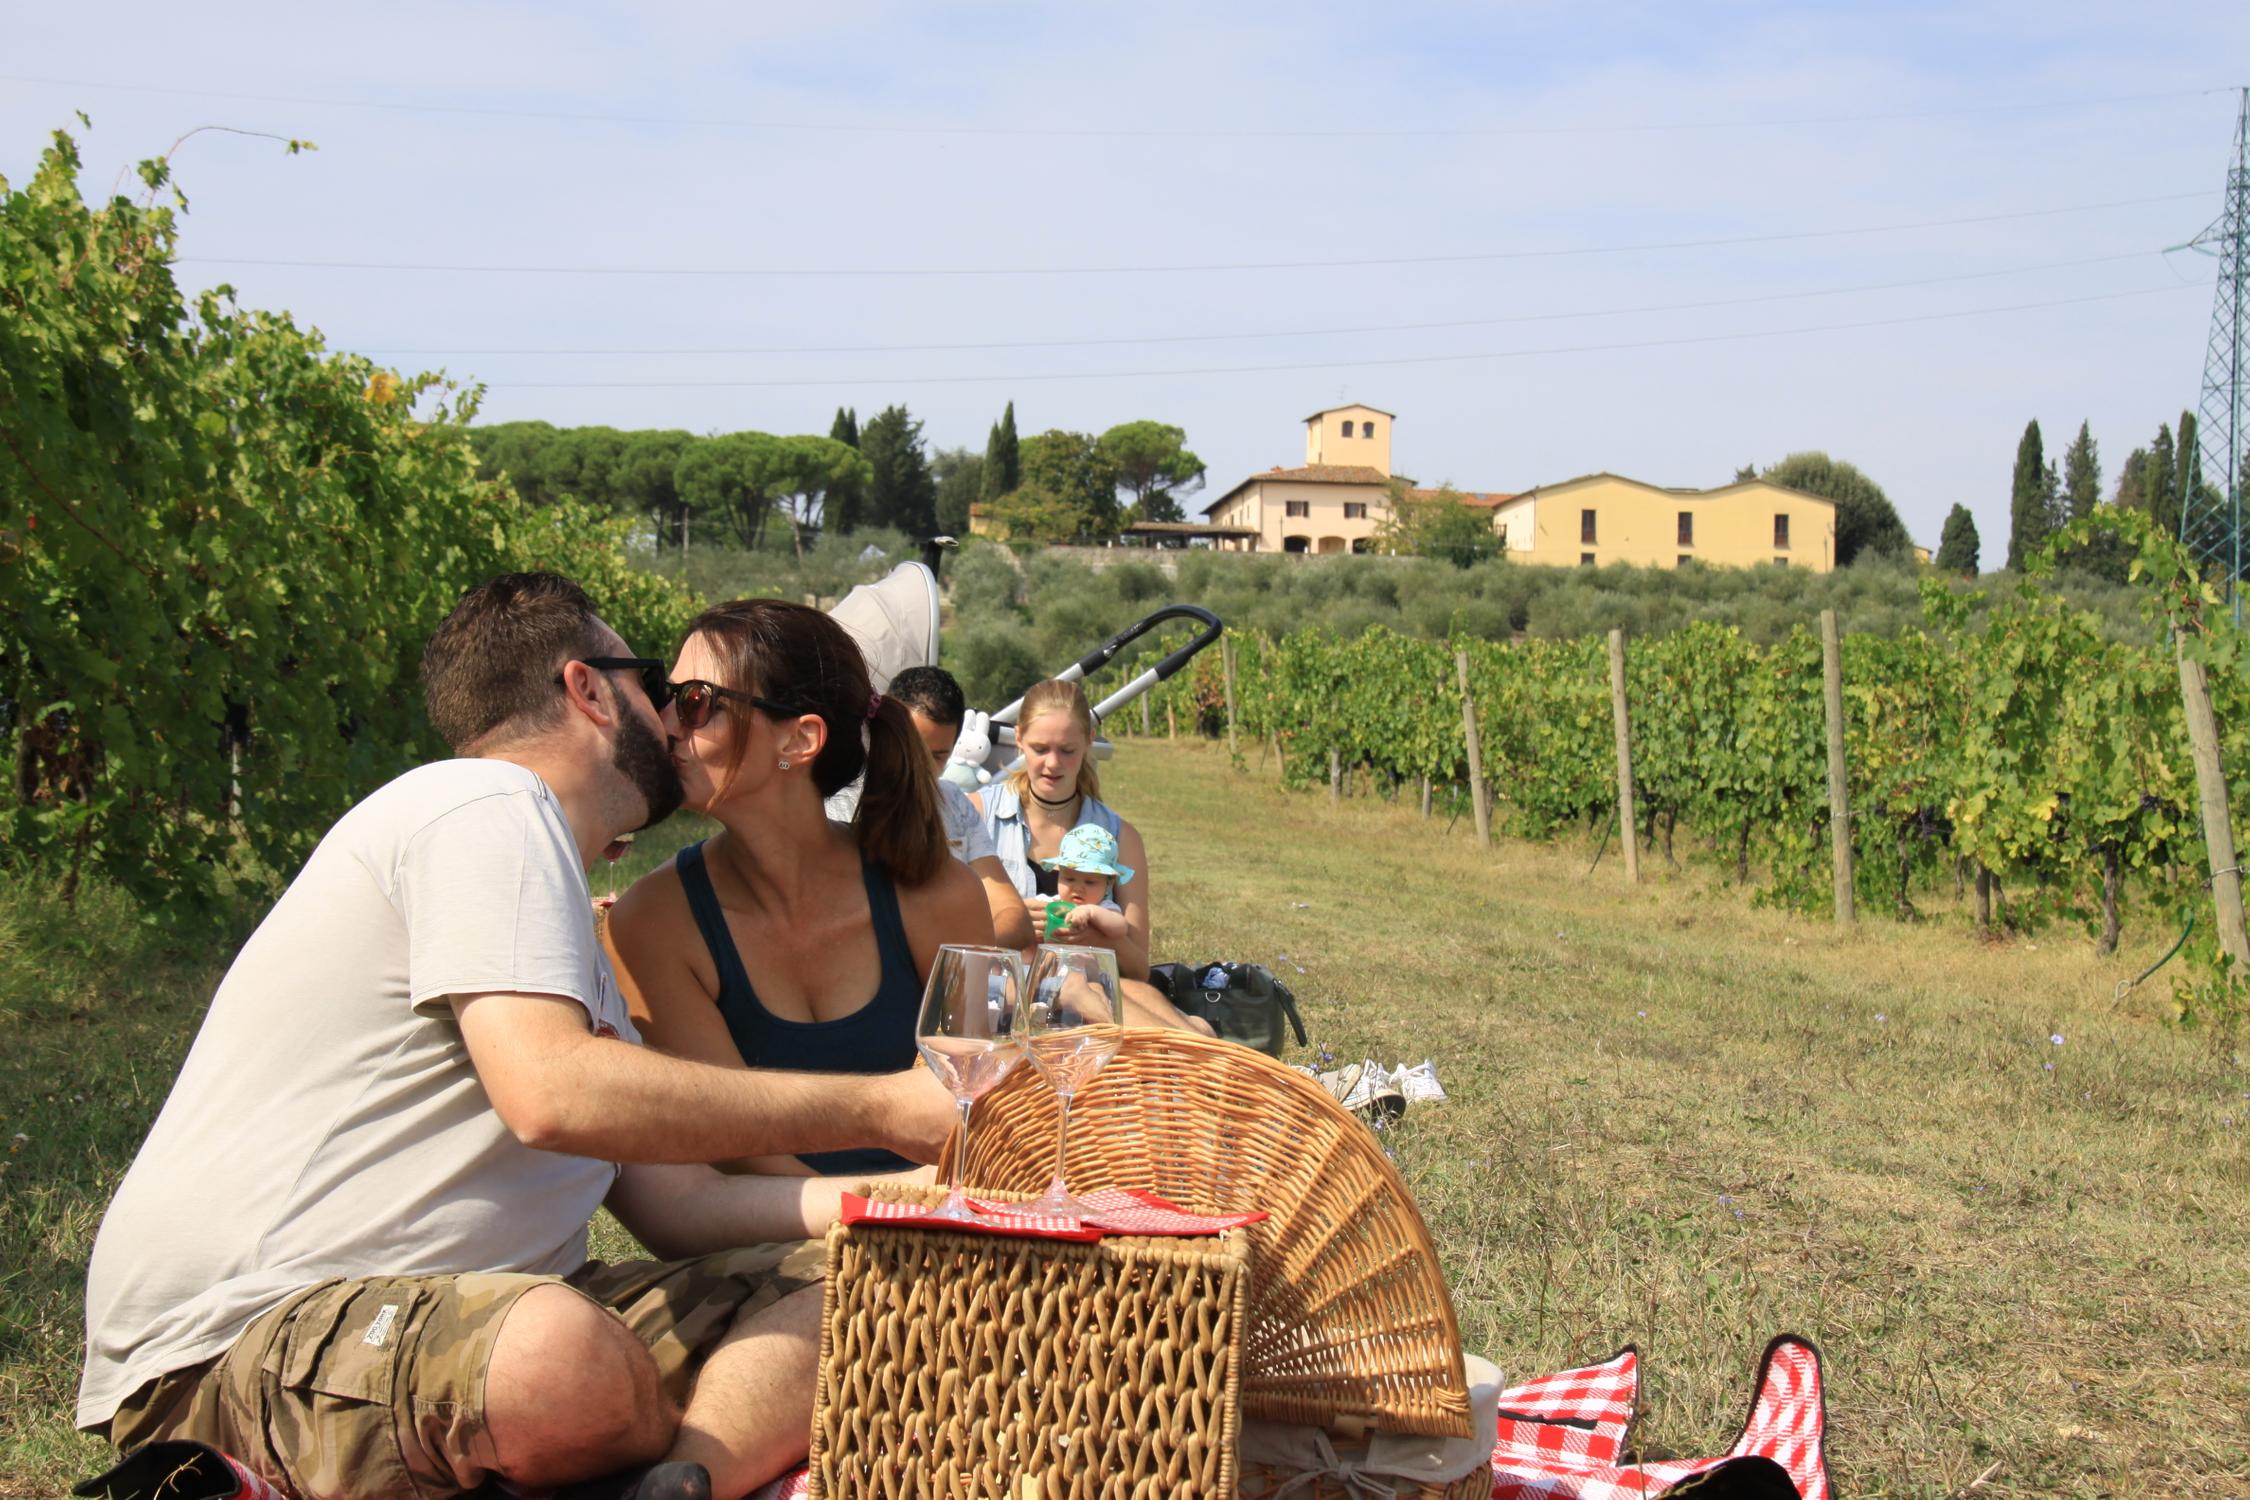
697	698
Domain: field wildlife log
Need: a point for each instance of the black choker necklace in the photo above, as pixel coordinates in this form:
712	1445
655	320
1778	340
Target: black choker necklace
1066	802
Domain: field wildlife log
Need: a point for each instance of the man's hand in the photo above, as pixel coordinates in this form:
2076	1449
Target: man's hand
922	1111
965	768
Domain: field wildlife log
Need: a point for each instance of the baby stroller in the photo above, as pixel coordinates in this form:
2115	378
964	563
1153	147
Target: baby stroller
895	621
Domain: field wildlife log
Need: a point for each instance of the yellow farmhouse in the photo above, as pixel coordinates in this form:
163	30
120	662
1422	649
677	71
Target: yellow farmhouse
1341	497
1604	518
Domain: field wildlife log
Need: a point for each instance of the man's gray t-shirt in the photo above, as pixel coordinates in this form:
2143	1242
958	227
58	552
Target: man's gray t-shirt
328	1121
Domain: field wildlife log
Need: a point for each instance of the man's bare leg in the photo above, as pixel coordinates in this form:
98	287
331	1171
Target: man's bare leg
570	1394
750	1415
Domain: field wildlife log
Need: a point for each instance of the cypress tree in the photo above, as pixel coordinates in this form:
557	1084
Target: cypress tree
1957	547
845	508
2082	475
2156	484
1003	463
2027	504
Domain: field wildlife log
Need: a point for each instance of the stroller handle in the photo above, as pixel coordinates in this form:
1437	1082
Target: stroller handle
1100	656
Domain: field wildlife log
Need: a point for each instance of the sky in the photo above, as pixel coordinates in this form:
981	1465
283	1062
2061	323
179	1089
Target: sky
1664	240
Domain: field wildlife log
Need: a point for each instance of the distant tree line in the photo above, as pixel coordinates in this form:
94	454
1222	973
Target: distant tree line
2159	481
732	487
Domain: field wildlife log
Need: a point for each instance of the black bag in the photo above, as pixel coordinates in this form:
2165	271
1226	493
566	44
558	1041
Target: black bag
1242	1002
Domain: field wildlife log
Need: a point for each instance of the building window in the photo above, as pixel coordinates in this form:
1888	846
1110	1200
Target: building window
1296	507
1585	559
1586	527
1355	510
1347	429
1367	429
1359	544
1296	544
1684	560
1687	528
1781	531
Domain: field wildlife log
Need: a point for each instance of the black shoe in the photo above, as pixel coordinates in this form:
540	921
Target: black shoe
677	1481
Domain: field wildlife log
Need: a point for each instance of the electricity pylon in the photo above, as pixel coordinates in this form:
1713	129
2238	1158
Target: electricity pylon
2211	505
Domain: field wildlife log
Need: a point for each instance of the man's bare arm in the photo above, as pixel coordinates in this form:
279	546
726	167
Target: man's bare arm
680	1212
560	1088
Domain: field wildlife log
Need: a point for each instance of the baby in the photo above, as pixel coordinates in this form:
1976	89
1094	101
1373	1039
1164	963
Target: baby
1087	875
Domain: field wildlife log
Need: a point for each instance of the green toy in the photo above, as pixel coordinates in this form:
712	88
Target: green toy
1058	912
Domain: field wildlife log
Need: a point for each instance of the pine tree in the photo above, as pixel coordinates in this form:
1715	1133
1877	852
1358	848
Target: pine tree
2027	504
845	429
1003	462
902	492
2081	476
1957	547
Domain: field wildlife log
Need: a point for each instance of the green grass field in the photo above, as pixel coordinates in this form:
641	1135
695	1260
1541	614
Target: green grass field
1677	1121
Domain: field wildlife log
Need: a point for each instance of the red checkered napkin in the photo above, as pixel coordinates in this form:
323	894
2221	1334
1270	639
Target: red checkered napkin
858	1210
1135	1211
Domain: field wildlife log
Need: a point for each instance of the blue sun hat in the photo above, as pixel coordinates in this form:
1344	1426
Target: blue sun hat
1090	849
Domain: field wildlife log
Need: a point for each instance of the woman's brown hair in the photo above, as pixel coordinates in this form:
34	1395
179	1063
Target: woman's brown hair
800	657
1055	696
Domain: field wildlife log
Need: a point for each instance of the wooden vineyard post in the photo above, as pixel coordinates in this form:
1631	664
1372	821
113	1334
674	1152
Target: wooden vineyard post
1628	830
1226	660
1479	797
1839	791
1280	761
1425	796
1335	775
1144	714
2218	830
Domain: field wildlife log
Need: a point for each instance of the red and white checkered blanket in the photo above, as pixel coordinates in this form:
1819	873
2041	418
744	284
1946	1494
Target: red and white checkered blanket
1561	1436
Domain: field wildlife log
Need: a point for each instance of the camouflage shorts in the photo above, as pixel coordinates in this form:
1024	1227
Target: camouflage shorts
376	1386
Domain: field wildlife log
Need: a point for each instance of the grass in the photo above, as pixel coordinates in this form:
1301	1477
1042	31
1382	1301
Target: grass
1677	1121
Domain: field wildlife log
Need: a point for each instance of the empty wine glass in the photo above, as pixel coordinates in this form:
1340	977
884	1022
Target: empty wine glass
970	1033
1071	1030
613	851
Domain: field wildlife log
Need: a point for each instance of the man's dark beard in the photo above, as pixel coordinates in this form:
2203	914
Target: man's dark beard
646	761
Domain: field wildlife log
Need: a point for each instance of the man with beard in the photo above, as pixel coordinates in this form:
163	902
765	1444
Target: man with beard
352	1251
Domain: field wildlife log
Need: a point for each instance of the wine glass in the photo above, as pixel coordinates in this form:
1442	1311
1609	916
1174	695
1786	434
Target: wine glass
971	1034
613	851
1071	1030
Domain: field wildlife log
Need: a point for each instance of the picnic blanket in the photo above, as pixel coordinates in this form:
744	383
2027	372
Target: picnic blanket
1561	1437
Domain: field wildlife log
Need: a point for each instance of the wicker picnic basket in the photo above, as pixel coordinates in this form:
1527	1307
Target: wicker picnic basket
974	1364
1349	1324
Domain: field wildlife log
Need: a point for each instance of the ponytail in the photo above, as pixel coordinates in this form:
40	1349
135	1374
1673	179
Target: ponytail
898	824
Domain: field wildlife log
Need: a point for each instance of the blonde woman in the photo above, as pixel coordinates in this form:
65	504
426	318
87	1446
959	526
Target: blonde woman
1055	790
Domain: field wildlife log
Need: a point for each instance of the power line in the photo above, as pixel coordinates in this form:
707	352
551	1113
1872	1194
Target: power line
1464	257
1332	364
1199	133
1280	333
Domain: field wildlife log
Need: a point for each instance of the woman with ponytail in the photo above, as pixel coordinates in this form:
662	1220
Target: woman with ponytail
787	941
1055	790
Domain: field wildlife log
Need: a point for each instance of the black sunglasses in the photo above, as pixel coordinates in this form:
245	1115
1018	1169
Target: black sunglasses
652	675
698	698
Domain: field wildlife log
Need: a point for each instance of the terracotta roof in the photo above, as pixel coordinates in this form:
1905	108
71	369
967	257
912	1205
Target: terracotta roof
1483	499
1310	474
1352	406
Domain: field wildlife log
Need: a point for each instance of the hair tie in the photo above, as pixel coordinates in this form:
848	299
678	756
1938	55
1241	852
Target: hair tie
874	702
